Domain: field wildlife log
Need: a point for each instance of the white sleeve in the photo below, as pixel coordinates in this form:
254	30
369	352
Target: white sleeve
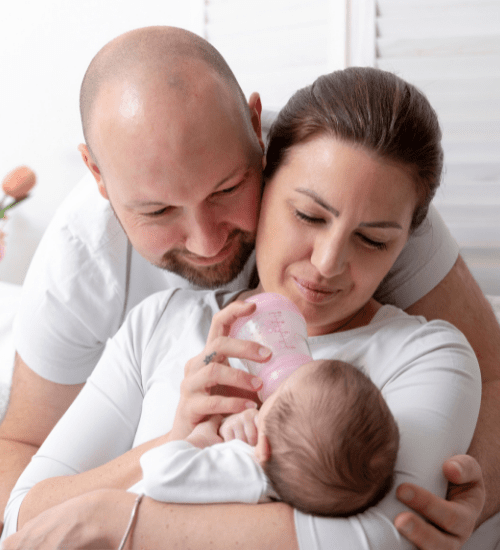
432	385
225	472
71	300
427	258
102	421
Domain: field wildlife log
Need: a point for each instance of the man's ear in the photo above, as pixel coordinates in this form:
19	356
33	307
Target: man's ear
255	106
262	449
92	166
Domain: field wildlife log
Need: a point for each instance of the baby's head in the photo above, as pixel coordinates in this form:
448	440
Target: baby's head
327	440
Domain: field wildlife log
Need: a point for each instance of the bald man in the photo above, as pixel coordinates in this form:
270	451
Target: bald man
176	152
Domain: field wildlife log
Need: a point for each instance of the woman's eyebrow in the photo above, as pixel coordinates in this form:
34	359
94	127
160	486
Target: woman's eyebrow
317	199
381	224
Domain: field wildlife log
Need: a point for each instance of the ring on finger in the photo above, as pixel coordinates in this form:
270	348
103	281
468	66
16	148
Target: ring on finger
209	357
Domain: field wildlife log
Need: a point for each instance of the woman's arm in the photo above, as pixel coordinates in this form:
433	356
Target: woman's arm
120	473
99	519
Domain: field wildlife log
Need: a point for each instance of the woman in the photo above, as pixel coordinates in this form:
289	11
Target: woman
352	165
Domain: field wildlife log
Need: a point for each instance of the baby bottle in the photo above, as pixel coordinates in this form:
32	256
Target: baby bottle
278	324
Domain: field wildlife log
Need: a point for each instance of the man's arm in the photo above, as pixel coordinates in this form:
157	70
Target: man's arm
35	406
456	516
459	300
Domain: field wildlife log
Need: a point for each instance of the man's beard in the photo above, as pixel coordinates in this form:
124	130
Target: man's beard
212	276
208	276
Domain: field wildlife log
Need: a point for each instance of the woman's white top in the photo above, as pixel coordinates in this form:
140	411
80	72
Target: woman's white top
427	372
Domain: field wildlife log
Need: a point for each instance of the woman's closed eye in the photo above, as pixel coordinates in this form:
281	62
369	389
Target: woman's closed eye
378	245
312	220
308	219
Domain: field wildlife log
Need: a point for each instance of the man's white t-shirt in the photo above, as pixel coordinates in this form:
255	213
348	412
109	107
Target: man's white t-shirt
85	277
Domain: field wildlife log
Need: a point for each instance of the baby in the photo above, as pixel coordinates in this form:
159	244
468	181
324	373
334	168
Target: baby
326	444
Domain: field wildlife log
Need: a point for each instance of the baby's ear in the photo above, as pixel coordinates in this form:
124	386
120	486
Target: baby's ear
262	449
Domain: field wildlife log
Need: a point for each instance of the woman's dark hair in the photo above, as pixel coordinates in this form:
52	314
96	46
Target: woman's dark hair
371	108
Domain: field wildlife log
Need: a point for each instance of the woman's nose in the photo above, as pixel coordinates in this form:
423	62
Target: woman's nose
329	256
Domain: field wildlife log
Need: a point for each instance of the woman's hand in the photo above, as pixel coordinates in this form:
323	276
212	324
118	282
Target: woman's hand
211	369
455	517
241	426
77	524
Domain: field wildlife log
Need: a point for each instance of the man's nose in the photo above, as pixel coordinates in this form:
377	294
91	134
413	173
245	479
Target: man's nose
206	235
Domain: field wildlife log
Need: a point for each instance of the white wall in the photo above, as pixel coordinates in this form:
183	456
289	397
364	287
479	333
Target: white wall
45	47
278	46
457	65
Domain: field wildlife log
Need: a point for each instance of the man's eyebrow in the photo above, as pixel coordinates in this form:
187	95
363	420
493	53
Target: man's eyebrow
240	170
139	203
316	198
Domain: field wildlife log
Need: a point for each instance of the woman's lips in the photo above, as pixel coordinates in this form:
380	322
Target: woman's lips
313	292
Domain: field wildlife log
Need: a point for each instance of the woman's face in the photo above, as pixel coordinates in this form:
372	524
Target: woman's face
334	219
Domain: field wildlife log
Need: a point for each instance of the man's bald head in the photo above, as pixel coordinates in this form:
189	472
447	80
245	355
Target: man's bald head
153	52
176	150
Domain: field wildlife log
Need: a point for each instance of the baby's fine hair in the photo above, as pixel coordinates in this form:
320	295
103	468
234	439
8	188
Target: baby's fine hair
333	450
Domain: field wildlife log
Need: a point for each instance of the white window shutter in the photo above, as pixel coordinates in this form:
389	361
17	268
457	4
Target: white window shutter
277	46
450	49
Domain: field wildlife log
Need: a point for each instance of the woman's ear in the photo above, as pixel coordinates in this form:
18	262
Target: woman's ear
94	169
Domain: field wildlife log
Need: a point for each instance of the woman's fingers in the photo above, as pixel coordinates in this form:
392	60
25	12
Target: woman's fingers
198	401
216	374
223	347
223	320
202	406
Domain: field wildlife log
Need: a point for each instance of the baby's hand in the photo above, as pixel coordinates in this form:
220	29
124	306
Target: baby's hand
241	426
206	433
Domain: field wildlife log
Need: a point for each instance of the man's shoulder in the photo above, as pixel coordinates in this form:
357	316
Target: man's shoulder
87	218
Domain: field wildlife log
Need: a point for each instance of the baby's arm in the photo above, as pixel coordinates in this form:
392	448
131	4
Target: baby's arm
179	471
